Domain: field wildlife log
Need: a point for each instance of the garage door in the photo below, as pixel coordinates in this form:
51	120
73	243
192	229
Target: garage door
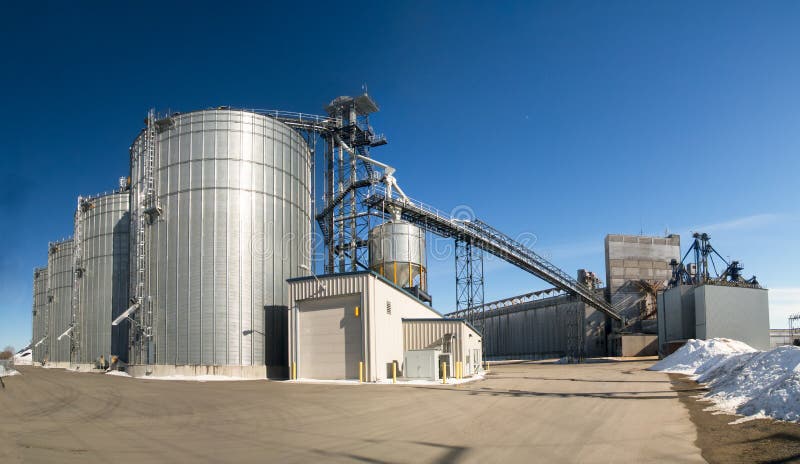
329	342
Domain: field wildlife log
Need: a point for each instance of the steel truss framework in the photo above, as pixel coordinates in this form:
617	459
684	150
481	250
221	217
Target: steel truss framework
469	281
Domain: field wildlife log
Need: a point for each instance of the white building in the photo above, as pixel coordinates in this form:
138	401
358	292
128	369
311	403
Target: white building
351	325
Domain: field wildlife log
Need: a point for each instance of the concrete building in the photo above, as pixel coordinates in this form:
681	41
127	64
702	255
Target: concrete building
713	311
355	325
636	268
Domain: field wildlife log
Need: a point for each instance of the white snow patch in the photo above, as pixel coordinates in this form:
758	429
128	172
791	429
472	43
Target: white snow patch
118	373
742	380
699	356
7	371
24	358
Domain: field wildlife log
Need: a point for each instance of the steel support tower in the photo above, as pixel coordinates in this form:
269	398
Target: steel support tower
345	219
469	281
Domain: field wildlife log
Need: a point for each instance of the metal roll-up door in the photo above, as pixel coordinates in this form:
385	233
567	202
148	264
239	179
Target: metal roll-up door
329	339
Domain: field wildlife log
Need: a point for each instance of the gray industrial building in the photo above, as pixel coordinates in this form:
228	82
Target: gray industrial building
713	311
708	297
537	325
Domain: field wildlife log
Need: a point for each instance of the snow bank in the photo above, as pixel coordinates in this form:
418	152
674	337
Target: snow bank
24	358
741	380
765	385
118	373
7	371
699	356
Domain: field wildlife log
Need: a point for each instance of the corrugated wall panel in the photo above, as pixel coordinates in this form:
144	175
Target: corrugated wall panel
59	265
40	316
104	290
233	197
419	335
537	330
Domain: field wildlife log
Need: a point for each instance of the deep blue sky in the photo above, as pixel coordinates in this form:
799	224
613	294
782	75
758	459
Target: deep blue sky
568	120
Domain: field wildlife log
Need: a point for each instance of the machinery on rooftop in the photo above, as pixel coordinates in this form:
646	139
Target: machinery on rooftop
698	266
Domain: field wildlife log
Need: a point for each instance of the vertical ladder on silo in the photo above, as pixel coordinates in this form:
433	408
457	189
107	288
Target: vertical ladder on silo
77	272
146	208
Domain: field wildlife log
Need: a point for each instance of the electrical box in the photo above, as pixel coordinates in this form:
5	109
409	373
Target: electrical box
421	364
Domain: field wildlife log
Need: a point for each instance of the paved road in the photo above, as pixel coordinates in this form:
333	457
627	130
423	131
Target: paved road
613	412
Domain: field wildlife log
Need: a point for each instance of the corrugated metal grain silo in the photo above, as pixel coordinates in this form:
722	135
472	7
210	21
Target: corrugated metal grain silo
104	222
59	268
397	252
232	223
39	341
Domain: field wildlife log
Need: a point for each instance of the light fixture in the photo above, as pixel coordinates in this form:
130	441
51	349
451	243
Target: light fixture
321	286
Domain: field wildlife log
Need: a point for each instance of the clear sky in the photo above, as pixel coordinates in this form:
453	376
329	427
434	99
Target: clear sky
567	120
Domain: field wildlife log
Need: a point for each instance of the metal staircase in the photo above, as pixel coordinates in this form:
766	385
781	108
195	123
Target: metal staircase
489	239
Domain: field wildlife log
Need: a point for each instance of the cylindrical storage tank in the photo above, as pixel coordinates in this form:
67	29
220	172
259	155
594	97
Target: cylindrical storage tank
59	297
397	252
104	282
39	315
234	188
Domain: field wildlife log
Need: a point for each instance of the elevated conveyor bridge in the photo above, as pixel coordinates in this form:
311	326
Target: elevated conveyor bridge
489	239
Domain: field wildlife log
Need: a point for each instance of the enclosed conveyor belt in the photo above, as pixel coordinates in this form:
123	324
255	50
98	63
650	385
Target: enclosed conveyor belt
489	239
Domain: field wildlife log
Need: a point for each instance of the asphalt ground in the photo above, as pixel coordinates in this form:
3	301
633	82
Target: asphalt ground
527	412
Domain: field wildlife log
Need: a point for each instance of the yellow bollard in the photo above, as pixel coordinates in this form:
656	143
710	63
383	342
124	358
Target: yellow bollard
394	372
360	371
444	372
294	371
487	366
460	373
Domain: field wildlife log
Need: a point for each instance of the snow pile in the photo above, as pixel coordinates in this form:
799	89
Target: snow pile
764	385
6	371
118	373
741	380
699	356
23	358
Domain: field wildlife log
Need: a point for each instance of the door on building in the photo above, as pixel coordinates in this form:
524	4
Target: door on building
476	361
329	339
